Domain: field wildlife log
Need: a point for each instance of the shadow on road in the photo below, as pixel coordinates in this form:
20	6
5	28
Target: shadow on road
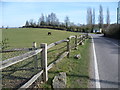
106	81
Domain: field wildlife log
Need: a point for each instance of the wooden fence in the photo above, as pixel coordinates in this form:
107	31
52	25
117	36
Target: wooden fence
43	50
16	49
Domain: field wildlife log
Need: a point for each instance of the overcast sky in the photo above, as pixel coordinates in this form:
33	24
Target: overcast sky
16	12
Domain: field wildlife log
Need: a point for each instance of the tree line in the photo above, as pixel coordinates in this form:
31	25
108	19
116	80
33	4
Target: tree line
91	19
51	21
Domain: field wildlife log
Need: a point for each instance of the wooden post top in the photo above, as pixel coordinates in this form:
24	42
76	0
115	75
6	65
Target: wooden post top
34	44
43	45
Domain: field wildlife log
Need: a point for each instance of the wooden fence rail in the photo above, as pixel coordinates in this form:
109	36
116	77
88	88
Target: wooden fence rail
14	60
16	49
43	51
56	43
34	46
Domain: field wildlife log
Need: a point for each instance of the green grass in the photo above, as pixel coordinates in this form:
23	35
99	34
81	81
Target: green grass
24	37
77	70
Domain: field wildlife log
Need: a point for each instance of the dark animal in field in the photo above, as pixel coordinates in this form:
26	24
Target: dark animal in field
49	33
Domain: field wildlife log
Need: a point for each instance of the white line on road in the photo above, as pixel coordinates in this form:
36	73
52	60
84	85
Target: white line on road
96	67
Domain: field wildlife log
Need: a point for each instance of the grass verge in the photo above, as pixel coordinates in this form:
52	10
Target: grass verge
77	70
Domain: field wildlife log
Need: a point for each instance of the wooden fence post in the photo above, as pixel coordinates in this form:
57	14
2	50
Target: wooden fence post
81	40
76	42
68	48
34	45
83	37
35	57
44	61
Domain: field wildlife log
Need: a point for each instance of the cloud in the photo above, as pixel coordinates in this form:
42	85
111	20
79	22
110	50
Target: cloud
59	0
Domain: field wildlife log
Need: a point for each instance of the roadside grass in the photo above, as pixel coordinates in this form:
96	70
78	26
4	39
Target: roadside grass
77	70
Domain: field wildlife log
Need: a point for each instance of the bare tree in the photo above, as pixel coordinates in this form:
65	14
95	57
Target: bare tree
27	23
57	22
108	17
89	18
67	21
52	19
42	20
100	18
48	20
93	17
31	22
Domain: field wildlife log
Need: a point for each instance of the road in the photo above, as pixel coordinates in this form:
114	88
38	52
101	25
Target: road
104	71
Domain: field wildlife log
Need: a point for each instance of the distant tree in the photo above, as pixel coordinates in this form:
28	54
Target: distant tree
89	16
89	19
108	17
93	20
34	24
42	20
62	25
38	23
72	26
67	21
100	18
27	24
93	17
31	23
48	20
57	22
53	19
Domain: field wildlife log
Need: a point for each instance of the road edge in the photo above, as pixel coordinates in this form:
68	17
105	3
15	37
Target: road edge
94	74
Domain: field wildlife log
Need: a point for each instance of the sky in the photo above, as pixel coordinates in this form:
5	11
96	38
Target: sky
14	13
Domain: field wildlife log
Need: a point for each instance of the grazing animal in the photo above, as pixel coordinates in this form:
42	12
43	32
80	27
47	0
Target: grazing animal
49	33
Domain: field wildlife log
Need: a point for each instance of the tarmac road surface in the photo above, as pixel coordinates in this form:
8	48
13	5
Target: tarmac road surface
107	65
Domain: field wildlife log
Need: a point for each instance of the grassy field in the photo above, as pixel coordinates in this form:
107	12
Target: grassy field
77	70
24	37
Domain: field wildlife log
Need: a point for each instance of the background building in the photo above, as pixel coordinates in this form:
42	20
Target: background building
118	13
